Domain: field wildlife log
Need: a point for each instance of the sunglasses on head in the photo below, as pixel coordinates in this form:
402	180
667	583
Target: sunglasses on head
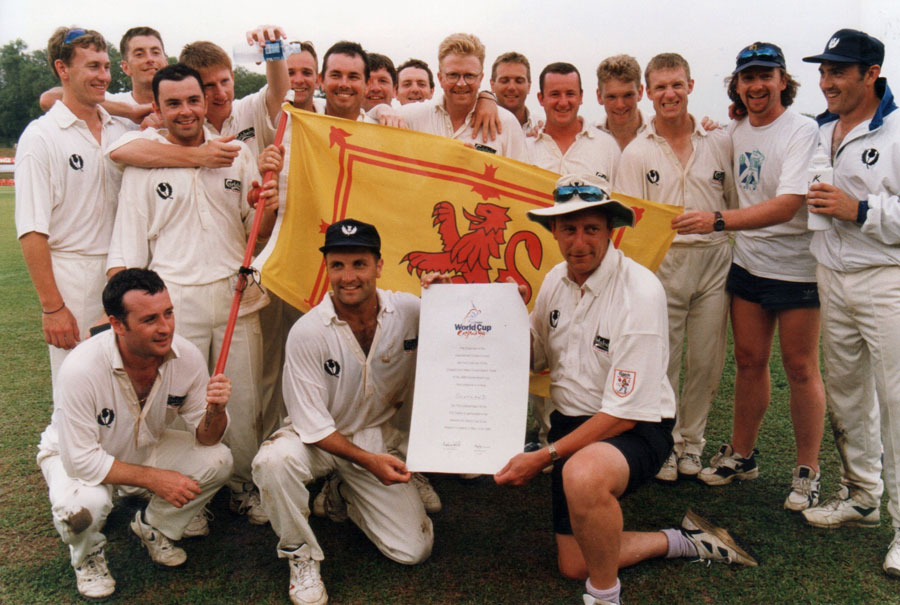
73	34
752	53
587	193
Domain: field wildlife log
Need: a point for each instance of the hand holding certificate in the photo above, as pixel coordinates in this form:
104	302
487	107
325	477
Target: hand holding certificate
471	399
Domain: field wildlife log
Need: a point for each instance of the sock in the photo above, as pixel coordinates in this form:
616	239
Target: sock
679	545
607	594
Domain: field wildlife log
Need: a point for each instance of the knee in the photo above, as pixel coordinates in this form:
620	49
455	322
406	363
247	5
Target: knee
276	464
750	359
415	549
220	464
586	481
86	507
571	568
800	369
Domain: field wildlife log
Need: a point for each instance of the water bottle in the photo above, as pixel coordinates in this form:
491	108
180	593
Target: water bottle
276	50
820	171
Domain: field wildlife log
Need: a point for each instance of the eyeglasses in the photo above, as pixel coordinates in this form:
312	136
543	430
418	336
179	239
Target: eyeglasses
73	34
755	52
587	193
453	78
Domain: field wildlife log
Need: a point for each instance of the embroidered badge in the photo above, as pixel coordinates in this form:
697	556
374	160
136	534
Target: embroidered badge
653	177
870	157
623	382
601	344
233	185
333	368
175	401
106	417
410	345
75	162
164	190
718	177
244	135
554	318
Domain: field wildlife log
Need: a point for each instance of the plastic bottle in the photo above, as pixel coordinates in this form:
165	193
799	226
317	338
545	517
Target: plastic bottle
272	51
820	171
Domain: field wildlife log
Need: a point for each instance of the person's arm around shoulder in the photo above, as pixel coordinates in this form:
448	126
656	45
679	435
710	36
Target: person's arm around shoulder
147	153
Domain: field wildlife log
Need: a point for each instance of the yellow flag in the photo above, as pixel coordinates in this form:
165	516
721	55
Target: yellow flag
438	206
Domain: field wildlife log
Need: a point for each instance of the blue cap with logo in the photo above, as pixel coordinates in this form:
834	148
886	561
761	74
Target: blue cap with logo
759	54
851	46
351	233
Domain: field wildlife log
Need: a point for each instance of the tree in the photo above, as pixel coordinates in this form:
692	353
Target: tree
23	77
246	82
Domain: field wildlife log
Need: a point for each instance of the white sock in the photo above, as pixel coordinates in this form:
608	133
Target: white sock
679	545
607	594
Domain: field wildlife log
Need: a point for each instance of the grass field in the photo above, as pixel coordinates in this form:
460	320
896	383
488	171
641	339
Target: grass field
493	545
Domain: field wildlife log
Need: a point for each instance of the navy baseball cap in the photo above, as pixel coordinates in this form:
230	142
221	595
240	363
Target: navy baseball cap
351	233
851	46
759	54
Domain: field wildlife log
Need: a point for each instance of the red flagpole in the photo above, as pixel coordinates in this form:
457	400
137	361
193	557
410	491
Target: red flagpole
248	256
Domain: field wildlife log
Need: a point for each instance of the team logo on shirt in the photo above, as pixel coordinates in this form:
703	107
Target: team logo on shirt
653	177
870	157
175	401
554	318
749	169
75	162
246	134
232	185
602	176
718	177
106	417
164	190
332	368
623	382
601	344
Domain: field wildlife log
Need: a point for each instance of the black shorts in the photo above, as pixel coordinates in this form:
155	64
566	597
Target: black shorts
645	447
771	294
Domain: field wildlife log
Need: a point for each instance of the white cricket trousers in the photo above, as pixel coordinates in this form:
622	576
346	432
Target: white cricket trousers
392	516
80	280
201	314
80	510
861	347
694	280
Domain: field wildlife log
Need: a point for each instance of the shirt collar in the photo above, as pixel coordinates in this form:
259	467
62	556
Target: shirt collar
115	356
329	315
65	118
597	282
650	130
586	131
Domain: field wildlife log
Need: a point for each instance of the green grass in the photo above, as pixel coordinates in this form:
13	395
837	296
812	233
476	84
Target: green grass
493	545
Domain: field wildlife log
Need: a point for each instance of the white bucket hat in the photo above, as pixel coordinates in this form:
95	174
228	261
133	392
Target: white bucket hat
577	192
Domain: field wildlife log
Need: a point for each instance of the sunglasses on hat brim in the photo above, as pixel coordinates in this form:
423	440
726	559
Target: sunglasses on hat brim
587	193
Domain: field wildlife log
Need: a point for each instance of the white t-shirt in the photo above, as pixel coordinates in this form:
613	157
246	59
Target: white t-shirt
249	122
329	383
650	170
430	116
122	125
65	186
97	417
769	161
189	225
593	152
606	343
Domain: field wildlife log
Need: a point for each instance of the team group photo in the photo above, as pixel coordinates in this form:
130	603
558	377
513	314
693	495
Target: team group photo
288	318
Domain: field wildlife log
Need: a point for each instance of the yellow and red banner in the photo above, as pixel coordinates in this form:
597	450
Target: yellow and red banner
437	204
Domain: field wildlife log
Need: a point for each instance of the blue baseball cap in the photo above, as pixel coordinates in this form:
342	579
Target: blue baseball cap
851	46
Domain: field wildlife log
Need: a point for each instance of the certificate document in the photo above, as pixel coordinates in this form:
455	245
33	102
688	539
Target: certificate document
471	398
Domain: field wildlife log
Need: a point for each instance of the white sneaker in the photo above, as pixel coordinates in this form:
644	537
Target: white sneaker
306	586
892	560
590	600
162	550
199	525
804	489
248	503
329	502
669	470
93	578
842	510
689	465
427	494
713	543
726	466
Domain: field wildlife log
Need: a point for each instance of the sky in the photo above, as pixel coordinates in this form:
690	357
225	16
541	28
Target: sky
708	33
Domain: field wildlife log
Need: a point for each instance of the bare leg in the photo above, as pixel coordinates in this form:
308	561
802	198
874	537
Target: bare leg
753	329
799	335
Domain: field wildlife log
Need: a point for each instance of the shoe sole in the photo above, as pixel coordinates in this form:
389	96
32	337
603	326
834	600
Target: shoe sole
857	523
801	507
743	557
714	479
891	571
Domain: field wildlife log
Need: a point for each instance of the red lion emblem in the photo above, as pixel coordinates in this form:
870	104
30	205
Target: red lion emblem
468	256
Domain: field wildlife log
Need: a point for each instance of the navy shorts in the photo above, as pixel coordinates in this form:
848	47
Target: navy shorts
645	447
771	294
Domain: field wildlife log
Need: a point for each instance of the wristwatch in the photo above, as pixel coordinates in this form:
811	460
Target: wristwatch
719	223
554	455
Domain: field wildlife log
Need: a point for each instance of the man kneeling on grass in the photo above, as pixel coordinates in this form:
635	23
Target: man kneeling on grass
600	324
116	395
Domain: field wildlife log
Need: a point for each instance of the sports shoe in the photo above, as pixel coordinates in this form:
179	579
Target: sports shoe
726	466
248	503
330	502
689	465
161	549
93	578
668	472
199	525
591	600
713	543
429	497
892	560
306	586
841	510
804	489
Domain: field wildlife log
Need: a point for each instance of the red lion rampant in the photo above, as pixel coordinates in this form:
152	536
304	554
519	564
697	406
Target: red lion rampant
468	256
